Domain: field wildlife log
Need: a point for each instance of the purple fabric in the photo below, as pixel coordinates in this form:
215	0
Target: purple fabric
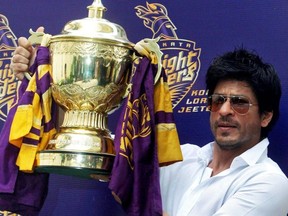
135	174
43	86
22	193
8	153
31	141
164	117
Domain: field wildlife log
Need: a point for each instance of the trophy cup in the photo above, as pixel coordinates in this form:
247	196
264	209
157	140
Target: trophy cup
91	63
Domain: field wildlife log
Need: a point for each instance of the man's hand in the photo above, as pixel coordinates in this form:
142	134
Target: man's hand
23	57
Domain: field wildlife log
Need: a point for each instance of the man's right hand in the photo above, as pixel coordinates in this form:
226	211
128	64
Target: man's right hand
23	57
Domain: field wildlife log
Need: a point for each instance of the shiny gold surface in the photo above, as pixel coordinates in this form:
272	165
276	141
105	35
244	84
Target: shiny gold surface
72	160
87	165
88	75
91	66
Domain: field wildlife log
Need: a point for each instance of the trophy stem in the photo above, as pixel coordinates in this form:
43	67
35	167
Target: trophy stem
83	147
84	118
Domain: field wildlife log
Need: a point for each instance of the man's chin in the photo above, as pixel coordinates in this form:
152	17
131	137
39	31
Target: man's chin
227	144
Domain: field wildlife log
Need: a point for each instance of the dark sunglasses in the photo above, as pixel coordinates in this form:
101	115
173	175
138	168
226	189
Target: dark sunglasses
240	104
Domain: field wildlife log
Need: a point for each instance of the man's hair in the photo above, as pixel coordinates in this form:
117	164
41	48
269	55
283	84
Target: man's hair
242	65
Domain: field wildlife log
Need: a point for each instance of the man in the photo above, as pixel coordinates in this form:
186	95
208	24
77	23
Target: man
232	175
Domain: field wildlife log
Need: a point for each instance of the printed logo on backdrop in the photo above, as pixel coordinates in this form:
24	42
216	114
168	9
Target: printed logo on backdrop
8	82
181	58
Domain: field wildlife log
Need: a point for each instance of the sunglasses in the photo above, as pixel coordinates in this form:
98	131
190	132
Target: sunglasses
240	104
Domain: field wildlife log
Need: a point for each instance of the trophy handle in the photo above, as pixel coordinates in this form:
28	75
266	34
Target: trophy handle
37	38
148	47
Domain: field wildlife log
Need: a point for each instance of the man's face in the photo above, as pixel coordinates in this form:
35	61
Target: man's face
231	129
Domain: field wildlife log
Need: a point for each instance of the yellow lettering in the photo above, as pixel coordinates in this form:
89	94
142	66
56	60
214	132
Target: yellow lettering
182	109
193	109
199	92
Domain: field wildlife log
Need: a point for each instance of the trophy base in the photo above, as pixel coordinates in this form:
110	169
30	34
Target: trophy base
84	165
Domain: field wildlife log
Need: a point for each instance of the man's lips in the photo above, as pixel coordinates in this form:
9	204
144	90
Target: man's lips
225	125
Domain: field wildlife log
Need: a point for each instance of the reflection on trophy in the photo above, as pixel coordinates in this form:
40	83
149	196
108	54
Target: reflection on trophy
91	63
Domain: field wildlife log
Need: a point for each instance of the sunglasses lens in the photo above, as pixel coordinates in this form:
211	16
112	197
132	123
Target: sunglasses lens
239	104
215	102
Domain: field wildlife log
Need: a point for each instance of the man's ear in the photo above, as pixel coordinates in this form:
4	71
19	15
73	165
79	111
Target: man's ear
266	118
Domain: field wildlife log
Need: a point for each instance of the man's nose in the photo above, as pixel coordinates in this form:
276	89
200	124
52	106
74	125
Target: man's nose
226	108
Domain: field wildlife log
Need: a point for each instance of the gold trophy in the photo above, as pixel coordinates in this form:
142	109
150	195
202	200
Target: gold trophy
91	62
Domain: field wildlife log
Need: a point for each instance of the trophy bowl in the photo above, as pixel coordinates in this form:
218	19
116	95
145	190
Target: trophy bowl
91	65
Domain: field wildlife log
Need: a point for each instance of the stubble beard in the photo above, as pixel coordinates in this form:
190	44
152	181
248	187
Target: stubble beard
228	145
226	142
